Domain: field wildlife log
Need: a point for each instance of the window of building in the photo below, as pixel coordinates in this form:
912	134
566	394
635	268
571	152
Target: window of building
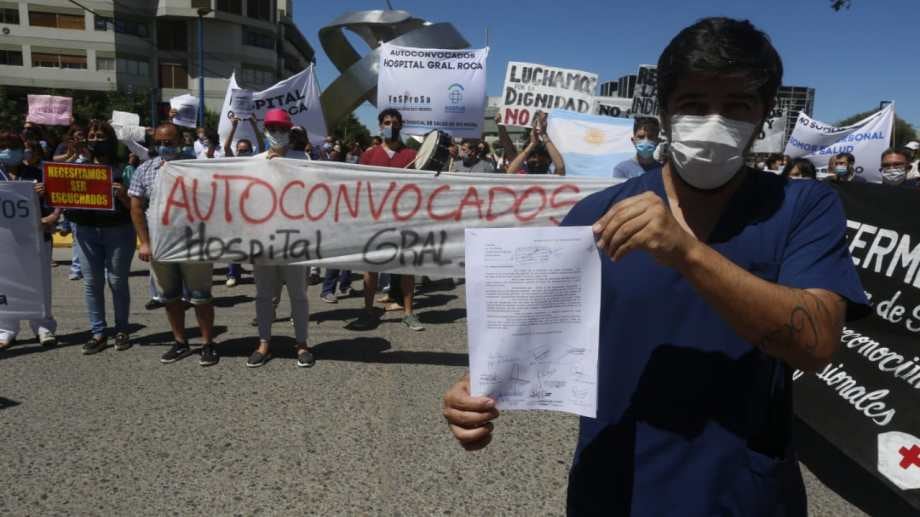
135	28
65	61
258	39
172	35
256	76
230	6
56	20
10	16
105	63
136	67
173	75
11	57
261	10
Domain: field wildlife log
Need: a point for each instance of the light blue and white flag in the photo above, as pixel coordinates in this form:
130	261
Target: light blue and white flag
591	145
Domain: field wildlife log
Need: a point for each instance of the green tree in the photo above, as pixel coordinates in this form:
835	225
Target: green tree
903	131
350	129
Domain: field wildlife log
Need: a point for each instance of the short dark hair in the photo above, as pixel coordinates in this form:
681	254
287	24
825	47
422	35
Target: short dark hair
470	142
647	123
806	168
392	112
244	141
774	158
903	151
720	45
850	158
377	140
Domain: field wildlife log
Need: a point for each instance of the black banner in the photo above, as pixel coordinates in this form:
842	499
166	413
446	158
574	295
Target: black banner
860	415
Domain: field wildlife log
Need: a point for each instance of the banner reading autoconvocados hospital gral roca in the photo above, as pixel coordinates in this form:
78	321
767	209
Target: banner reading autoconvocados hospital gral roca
298	95
432	88
341	215
530	87
865	140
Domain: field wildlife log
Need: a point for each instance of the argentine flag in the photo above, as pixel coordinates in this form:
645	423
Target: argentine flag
591	145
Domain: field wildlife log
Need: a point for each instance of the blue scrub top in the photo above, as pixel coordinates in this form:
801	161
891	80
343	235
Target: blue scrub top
693	420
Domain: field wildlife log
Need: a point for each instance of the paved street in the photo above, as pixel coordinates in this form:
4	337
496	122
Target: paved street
359	434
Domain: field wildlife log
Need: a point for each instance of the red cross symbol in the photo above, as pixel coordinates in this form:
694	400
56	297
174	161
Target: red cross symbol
909	456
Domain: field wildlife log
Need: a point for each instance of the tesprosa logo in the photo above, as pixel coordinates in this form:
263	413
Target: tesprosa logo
410	101
455	99
899	459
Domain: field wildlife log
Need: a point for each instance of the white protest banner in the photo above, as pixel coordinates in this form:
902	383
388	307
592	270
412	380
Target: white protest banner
342	215
434	88
617	107
241	104
298	95
591	145
186	107
770	138
23	277
645	97
50	110
865	140
531	87
128	127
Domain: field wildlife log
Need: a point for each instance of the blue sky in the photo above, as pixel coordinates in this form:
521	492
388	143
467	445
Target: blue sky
853	58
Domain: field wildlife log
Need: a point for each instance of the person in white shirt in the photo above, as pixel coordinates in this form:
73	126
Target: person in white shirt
270	277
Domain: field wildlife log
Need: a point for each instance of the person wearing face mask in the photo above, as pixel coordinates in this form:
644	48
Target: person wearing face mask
842	170
270	278
540	156
895	164
170	277
75	151
390	153
105	241
469	159
645	138
229	150
718	281
207	144
13	167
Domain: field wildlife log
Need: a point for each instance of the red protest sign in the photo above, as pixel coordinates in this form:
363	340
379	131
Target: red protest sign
79	186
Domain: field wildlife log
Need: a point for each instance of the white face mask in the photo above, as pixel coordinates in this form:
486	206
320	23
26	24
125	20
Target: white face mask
277	139
893	176
708	150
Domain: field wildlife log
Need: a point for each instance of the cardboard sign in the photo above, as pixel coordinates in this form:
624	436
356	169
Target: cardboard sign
22	277
645	98
79	186
50	110
531	87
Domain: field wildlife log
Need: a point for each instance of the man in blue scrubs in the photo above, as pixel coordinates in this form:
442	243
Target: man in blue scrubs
718	281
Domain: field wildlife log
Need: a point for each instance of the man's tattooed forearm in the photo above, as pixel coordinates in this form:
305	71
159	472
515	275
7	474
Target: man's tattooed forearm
800	328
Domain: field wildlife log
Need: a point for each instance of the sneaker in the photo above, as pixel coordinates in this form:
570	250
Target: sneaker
178	351
368	320
329	298
75	277
231	282
413	323
95	345
122	341
258	359
6	340
46	338
153	305
305	358
209	355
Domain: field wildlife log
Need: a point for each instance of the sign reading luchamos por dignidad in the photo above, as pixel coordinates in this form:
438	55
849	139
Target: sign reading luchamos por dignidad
531	87
79	186
22	281
341	215
440	89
